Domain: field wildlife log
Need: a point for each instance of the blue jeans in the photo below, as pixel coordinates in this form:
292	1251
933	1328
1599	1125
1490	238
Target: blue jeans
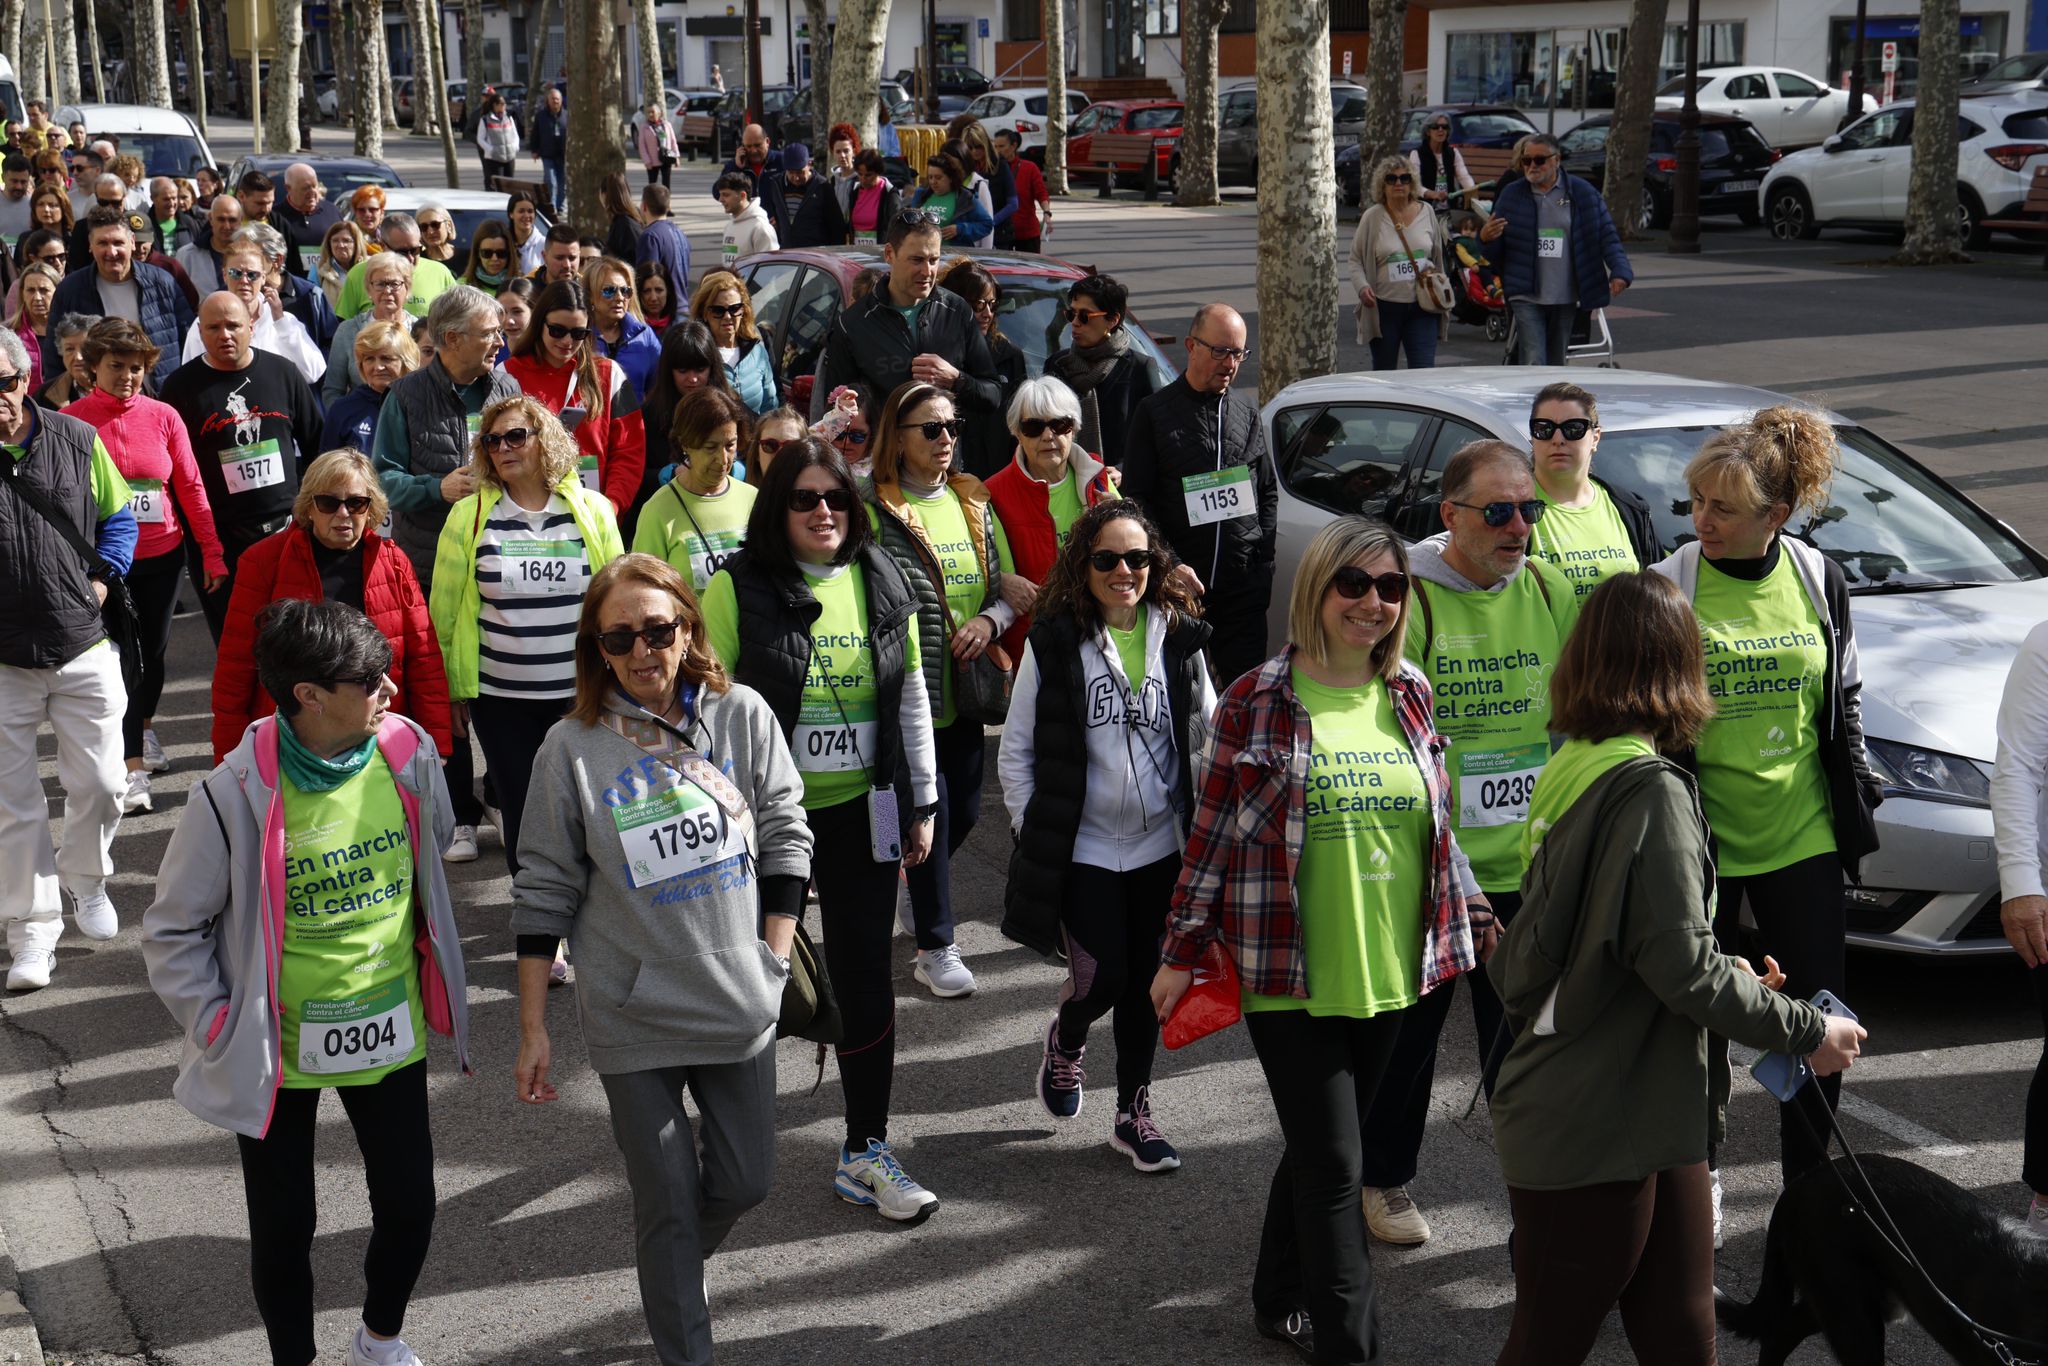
557	181
1543	332
1404	327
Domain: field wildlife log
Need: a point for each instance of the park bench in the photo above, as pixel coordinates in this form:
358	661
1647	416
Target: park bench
700	130
1487	165
1131	153
2035	211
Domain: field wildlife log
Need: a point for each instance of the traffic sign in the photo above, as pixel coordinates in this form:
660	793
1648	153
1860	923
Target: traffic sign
1891	58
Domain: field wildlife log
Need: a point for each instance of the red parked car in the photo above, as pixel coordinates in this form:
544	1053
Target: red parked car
1160	118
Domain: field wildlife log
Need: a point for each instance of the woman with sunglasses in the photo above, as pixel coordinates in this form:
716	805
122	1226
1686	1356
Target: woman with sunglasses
944	532
847	425
555	363
331	552
509	576
616	330
1111	708
1337	918
873	200
817	618
1593	528
774	430
489	266
1439	167
682	942
388	279
985	447
1398	240
245	273
723	304
697	519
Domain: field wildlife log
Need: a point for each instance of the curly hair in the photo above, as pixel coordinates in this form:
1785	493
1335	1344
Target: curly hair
1065	590
1376	185
843	132
1781	454
558	452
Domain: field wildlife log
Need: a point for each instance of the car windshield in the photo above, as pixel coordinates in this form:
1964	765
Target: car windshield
1145	120
1473	127
172	154
1676	85
1347	104
2027	66
343	180
1033	315
1887	523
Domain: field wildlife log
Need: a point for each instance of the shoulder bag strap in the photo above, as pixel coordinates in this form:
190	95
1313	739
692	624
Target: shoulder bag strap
96	565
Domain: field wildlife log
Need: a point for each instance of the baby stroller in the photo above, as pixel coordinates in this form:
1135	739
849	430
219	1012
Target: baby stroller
1480	301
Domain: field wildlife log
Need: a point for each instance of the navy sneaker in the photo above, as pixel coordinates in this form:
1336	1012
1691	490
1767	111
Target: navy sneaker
1138	1138
1059	1075
1293	1329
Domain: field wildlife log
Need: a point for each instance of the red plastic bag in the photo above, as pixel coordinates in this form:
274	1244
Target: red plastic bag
1210	1003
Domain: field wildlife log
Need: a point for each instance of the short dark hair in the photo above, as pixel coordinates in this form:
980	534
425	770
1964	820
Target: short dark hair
254	182
586	240
1109	293
1564	391
768	524
655	197
734	180
702	411
17	164
315	642
1472	457
107	216
1633	664
870	160
1009	135
909	223
560	234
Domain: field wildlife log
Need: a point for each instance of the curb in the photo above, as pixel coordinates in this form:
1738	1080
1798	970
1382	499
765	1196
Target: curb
18	1340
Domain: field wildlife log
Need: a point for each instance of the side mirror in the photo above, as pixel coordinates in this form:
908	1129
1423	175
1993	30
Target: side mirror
1833	144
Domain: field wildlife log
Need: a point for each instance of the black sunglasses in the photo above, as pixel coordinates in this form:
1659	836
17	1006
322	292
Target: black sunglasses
1352	582
329	504
371	684
807	500
1035	427
409	253
852	438
951	427
9	383
514	439
619	640
1400	178
1105	561
492	253
557	331
725	310
1500	514
1574	428
917	217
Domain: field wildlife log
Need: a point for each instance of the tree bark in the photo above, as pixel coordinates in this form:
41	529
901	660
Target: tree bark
438	39
474	77
369	90
99	71
387	98
1386	20
594	114
653	85
13	18
1932	234
1635	99
1200	23
857	67
68	89
1053	27
424	118
281	91
34	73
818	21
536	50
151	60
1298	205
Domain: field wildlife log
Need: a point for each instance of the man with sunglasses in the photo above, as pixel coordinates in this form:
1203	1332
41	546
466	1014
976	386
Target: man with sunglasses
1592	528
1557	252
1111	376
118	285
1197	462
1486	625
400	233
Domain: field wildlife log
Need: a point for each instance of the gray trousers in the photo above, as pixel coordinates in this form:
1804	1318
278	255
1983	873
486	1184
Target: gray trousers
689	1191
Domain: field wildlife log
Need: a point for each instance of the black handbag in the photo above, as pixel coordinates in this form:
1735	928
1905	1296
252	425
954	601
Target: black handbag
809	1009
117	614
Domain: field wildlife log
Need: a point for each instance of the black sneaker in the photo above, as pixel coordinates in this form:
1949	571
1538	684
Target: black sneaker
1294	1330
1060	1075
1137	1137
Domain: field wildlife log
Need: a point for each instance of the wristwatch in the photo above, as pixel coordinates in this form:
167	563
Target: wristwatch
925	812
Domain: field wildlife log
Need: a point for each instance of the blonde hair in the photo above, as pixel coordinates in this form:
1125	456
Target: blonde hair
383	336
612	265
1348	540
1376	188
1778	455
329	472
558	452
716	283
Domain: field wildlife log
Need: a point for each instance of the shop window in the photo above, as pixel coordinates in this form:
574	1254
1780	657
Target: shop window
1982	36
1720	45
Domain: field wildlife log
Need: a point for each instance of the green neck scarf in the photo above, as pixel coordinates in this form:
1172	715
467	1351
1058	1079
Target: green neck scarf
311	773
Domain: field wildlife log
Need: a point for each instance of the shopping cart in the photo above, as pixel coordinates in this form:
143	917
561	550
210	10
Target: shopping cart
1591	340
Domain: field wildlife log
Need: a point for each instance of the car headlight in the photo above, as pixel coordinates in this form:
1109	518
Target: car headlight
1928	774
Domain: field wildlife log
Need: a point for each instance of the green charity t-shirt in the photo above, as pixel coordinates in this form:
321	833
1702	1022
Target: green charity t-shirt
1362	880
695	533
1489	663
348	983
1587	543
1761	781
1063	501
946	523
1576	766
1130	650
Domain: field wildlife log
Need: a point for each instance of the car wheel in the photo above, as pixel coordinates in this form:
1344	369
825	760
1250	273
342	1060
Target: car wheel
1646	210
1969	215
1791	215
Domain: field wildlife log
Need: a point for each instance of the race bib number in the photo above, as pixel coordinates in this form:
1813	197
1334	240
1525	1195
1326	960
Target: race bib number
730	252
371	1030
1550	244
671	833
832	747
246	468
709	552
864	239
1398	267
538	568
1494	785
146	501
586	470
1221	496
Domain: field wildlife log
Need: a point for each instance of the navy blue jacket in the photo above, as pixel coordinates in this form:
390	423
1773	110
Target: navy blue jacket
663	241
1595	245
166	317
352	421
549	139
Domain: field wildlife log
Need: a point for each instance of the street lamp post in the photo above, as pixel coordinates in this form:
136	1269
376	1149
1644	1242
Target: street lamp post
756	102
1855	110
1685	197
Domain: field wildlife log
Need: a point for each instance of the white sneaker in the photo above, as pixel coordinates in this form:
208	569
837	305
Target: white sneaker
1391	1214
1720	1240
153	757
136	797
943	972
462	848
876	1179
31	970
94	912
494	818
906	918
364	1350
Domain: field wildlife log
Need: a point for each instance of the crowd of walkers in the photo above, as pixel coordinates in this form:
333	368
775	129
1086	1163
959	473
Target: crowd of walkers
712	646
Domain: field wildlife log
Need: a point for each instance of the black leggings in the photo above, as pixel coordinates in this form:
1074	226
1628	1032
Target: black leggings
510	730
154	582
857	906
2035	1171
1799	922
390	1120
1112	922
659	174
494	169
961	758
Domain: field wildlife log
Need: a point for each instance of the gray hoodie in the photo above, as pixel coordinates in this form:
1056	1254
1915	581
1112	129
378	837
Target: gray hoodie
673	973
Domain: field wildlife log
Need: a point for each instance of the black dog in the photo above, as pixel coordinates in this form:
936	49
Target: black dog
1828	1270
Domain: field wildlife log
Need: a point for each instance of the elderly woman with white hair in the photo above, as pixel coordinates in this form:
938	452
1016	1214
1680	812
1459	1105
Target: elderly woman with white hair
1397	242
1048	483
245	273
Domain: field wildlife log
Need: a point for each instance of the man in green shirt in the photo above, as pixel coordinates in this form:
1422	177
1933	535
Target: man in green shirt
1592	529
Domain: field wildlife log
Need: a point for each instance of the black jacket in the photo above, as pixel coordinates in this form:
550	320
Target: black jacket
622	239
1128	383
871	344
1037	885
49	614
813	220
986	447
1173	434
548	139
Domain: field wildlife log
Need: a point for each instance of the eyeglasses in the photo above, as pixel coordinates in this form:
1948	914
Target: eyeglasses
387	284
1572	428
614	292
9	383
807	500
557	331
919	218
659	635
329	504
852	437
1400	178
1500	514
513	440
1106	561
987	306
1221	352
1082	315
724	310
243	273
1035	427
771	444
1352	582
371	684
1539	161
492	253
952	427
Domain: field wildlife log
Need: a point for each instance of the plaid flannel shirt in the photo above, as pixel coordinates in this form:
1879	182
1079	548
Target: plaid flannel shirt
1237	877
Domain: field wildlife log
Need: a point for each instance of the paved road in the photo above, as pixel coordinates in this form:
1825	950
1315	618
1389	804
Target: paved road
126	1215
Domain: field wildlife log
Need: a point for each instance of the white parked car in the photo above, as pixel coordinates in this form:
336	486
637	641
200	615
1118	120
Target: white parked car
168	142
1790	108
1859	177
1024	111
1944	592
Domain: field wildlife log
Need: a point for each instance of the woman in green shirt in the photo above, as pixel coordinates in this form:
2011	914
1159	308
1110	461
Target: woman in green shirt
1592	528
697	520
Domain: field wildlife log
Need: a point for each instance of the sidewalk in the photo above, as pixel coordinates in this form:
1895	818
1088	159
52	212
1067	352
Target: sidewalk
18	1339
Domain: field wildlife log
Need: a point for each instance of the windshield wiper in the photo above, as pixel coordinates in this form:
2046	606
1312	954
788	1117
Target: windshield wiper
1921	586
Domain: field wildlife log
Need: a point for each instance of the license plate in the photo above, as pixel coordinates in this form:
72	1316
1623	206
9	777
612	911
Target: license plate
1740	186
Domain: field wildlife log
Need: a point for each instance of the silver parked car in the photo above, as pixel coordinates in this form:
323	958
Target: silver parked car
1237	128
1944	592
